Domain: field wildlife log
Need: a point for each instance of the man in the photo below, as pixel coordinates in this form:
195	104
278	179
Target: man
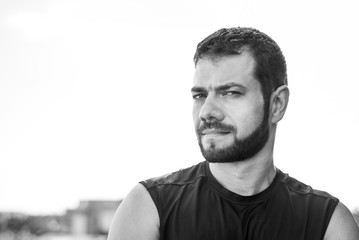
239	94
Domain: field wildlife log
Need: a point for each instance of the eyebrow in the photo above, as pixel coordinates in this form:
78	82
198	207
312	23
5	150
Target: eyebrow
219	88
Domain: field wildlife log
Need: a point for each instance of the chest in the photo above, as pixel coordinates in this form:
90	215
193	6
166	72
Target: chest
209	216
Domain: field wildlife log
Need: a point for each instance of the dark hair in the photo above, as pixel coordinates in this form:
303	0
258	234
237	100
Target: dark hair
271	69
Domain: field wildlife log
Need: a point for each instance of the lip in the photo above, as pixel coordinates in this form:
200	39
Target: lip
214	132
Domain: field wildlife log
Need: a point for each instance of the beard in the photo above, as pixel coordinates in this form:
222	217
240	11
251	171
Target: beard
240	149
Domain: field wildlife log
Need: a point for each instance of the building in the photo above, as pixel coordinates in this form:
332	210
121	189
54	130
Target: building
91	217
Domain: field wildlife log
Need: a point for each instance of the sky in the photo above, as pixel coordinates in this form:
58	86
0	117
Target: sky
95	95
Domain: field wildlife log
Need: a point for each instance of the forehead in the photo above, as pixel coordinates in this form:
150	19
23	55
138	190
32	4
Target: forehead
211	73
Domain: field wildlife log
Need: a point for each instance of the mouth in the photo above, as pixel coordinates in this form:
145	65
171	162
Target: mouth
214	132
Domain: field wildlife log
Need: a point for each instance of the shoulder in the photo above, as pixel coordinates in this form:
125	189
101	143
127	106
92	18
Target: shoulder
339	222
305	200
342	225
301	189
136	217
181	177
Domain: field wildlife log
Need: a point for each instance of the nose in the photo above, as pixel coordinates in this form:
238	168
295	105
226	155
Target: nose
210	110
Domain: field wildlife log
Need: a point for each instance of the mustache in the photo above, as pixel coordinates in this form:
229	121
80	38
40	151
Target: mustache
215	125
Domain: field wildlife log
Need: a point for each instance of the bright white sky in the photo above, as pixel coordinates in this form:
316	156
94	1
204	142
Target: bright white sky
94	95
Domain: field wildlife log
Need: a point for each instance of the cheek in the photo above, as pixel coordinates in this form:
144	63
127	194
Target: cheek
195	115
248	120
196	109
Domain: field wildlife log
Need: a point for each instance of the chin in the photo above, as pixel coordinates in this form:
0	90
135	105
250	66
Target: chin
232	151
216	144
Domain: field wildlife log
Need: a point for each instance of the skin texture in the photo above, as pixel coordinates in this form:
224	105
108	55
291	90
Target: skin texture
241	106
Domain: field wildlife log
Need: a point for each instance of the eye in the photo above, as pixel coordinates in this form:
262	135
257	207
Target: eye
198	96
231	93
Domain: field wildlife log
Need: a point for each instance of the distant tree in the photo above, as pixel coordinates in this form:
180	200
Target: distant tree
16	224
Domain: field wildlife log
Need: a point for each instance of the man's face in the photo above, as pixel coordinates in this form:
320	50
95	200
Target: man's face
228	109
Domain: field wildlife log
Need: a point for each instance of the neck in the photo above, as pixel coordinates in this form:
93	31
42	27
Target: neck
247	177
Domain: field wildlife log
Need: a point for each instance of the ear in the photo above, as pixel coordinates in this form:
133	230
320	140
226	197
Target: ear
279	102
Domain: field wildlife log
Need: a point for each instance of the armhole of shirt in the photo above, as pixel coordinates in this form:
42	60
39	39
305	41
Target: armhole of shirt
331	208
154	196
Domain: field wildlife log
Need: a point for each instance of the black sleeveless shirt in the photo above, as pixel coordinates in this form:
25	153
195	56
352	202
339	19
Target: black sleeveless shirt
192	205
